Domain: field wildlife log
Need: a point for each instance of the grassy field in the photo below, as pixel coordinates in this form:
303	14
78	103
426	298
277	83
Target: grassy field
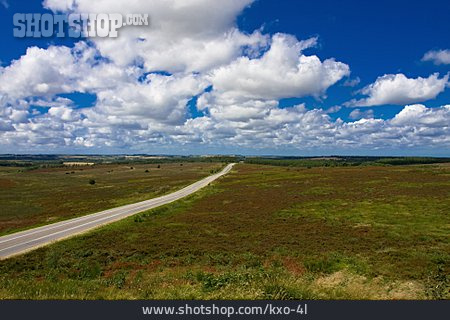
33	197
263	232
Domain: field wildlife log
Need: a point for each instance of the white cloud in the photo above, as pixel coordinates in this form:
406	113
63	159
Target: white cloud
282	72
352	82
5	126
437	56
183	35
64	114
295	128
358	114
161	98
399	90
298	128
19	116
38	72
59	69
420	115
333	109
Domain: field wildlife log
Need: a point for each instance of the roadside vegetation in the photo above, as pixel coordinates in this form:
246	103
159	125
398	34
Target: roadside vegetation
262	232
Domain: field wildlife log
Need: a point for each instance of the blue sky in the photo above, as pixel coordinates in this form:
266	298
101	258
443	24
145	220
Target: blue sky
373	37
186	104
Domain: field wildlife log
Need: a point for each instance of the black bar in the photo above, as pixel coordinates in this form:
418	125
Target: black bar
311	310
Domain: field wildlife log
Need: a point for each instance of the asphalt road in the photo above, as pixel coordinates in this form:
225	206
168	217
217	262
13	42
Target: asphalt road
24	241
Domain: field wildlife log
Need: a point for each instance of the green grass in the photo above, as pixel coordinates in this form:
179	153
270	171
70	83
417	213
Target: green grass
262	232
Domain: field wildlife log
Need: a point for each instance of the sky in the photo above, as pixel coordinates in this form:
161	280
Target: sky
259	77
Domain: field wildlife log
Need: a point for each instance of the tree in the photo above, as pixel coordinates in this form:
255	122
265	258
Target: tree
92	182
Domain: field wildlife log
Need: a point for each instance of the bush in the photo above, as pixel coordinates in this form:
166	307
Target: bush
92	182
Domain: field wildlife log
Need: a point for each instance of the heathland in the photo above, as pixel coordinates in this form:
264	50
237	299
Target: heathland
260	232
31	196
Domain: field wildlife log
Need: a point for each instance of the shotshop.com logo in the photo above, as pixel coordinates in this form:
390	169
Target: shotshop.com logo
75	25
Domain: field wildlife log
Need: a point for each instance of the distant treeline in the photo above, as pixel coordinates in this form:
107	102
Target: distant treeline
46	161
15	164
28	157
36	162
412	160
223	159
31	165
345	161
302	162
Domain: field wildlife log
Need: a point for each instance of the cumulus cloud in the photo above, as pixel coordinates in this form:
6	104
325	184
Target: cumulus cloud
399	90
420	115
63	113
299	128
38	72
282	72
183	36
437	56
58	69
248	89
159	97
295	128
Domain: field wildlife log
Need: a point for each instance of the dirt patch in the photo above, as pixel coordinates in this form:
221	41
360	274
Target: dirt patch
360	287
294	266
